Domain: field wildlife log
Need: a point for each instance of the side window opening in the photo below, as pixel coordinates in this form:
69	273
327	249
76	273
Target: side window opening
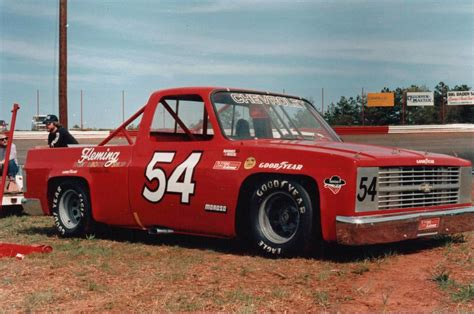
182	118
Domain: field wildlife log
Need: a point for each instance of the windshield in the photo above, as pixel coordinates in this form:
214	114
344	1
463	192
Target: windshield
244	115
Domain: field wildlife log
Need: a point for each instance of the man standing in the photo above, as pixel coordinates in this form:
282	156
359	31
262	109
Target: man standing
11	162
58	136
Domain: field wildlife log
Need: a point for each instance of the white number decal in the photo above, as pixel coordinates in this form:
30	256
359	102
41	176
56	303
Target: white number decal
184	171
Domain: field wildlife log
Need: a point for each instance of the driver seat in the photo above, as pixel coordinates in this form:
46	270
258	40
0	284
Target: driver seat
242	129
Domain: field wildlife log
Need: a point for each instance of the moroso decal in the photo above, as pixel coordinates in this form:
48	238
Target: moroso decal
226	165
425	161
92	158
335	183
285	165
250	163
215	208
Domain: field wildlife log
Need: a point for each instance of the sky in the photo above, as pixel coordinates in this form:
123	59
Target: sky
295	47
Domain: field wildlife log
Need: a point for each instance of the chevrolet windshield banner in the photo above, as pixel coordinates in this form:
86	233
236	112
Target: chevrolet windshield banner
257	99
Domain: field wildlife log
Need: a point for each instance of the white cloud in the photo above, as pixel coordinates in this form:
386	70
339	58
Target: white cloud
27	50
31	8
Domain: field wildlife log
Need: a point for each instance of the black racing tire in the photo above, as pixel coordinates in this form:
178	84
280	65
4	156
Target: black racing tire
281	217
71	209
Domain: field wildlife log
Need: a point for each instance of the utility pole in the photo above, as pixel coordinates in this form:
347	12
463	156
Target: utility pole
37	102
63	63
322	100
82	125
123	106
404	106
362	111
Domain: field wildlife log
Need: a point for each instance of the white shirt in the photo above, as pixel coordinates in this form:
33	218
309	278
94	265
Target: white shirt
3	150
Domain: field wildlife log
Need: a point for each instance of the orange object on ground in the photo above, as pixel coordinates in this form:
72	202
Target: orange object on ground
17	250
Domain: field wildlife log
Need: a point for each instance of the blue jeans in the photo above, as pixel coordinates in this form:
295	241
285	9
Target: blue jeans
12	169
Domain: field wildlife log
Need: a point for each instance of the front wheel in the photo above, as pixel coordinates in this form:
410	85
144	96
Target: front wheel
71	209
280	217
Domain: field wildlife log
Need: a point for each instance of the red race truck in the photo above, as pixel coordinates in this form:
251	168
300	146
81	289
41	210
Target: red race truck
225	162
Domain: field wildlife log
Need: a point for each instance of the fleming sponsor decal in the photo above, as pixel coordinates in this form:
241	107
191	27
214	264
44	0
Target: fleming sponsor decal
92	158
226	165
335	183
425	161
215	208
285	165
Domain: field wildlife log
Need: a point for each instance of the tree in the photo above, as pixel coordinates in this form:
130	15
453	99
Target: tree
345	112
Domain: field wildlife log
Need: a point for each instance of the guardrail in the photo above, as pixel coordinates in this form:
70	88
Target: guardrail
394	129
341	130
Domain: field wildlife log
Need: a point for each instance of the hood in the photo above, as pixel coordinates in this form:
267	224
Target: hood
366	154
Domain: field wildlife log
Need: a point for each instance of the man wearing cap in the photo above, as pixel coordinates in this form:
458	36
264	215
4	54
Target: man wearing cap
58	136
12	162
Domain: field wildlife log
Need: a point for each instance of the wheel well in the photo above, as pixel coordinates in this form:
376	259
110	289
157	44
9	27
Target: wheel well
54	182
246	190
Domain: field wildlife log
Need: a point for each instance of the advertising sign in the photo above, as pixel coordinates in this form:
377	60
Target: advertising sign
420	98
461	98
380	99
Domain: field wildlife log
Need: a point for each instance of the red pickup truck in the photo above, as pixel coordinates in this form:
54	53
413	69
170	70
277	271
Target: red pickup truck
266	167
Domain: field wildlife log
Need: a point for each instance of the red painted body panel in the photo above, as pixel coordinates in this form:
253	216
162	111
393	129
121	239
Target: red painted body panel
117	190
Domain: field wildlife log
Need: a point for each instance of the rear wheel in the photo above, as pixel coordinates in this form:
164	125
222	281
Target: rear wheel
280	217
71	209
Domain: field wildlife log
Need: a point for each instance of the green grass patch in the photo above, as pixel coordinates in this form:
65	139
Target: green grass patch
38	298
458	292
463	294
321	298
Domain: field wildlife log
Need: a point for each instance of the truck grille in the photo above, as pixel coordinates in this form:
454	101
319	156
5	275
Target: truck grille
403	187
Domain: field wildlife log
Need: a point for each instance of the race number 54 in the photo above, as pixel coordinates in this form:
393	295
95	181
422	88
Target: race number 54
180	181
367	188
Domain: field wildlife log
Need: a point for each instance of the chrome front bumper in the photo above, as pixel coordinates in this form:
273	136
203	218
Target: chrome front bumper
363	230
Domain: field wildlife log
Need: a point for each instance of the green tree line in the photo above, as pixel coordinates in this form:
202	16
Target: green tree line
348	111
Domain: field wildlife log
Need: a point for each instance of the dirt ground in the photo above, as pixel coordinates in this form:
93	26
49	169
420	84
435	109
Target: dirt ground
120	270
128	271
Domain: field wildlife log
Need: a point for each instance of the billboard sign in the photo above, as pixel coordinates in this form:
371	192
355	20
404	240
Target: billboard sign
420	98
461	98
380	99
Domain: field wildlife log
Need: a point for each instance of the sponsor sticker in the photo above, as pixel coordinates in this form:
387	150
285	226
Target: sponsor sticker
425	161
429	223
284	165
334	184
250	163
226	165
258	99
92	158
71	171
230	153
215	208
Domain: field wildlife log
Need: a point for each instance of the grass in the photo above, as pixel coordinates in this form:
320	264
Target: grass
321	298
458	292
130	271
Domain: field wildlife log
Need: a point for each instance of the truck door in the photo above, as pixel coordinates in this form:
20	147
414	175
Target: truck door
170	167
